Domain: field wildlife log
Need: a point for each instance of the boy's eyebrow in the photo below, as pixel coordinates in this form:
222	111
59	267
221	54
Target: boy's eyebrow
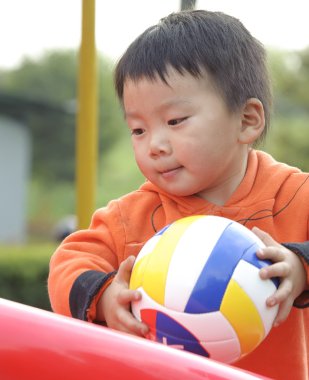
132	115
162	107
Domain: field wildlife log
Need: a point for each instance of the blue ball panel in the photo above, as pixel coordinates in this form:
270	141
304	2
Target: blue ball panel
161	232
209	289
172	333
251	257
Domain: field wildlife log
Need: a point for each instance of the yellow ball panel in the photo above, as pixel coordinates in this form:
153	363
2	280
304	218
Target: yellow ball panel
141	261
137	275
247	325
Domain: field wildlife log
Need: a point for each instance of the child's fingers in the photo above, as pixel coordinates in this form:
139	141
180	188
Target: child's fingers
130	325
264	236
281	295
273	253
137	328
126	296
284	311
125	268
280	269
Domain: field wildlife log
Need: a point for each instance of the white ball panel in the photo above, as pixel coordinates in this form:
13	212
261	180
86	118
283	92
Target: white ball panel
247	277
193	248
227	351
210	327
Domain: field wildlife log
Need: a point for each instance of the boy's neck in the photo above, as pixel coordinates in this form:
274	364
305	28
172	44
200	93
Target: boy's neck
222	193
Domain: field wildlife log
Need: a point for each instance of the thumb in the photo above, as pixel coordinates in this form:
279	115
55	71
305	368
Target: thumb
125	269
264	236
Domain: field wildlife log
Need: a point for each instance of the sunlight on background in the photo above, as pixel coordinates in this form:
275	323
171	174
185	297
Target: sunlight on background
29	27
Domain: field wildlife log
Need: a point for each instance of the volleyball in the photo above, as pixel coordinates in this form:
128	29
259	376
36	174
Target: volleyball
201	290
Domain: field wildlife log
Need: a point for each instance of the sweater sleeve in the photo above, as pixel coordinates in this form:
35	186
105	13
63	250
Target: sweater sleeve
85	263
85	290
302	250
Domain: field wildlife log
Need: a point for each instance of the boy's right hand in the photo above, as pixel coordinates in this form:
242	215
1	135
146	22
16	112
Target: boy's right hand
114	306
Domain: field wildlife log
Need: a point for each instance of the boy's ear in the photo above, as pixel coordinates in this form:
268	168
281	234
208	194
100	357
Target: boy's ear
252	122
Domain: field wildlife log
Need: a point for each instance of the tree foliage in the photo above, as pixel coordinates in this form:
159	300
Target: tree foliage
290	73
45	91
288	139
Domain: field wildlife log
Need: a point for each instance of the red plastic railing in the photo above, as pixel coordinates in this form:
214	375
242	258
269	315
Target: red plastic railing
40	345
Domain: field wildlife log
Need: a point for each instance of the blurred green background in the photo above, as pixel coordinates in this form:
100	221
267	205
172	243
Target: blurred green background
43	91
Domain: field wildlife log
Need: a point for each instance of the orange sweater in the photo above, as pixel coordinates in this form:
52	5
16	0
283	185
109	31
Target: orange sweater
272	196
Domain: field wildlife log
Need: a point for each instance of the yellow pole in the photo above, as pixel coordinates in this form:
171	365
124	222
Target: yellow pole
87	134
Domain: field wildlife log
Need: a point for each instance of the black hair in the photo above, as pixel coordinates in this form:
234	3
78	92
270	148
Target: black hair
196	41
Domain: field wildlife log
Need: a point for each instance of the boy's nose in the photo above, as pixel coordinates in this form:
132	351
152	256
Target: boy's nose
159	145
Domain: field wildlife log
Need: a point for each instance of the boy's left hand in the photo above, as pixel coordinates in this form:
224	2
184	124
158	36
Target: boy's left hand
286	265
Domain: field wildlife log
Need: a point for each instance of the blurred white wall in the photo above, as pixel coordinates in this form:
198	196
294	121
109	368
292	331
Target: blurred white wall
15	158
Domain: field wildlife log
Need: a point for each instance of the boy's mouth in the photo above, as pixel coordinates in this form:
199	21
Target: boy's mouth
168	173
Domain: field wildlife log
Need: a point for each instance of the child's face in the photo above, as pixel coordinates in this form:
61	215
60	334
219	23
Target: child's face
184	137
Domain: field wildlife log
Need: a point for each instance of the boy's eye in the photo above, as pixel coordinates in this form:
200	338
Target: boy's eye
137	131
176	121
